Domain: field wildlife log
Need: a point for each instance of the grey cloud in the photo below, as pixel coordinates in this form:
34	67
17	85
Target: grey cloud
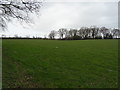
55	15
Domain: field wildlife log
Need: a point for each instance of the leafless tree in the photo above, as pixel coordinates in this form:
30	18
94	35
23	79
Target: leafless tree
66	33
94	31
61	32
52	34
116	33
89	32
70	33
74	32
82	32
19	9
104	31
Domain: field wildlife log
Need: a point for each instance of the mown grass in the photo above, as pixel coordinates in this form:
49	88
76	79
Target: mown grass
60	64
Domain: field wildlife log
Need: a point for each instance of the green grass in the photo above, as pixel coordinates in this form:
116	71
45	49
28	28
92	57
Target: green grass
0	63
60	64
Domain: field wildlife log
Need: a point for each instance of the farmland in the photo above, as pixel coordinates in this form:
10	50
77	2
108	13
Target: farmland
60	63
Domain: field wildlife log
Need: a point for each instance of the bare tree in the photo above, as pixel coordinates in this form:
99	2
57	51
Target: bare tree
94	31
70	33
86	32
66	33
61	32
104	31
52	34
18	9
82	32
116	33
74	32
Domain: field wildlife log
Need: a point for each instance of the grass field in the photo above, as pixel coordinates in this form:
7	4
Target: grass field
0	63
60	64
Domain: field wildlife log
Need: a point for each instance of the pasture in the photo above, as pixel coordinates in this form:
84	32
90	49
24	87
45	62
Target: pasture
59	63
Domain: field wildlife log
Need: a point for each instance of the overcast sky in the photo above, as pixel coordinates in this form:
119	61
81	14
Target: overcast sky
55	14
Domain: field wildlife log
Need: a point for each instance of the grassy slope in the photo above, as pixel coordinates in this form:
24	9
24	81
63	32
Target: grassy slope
46	63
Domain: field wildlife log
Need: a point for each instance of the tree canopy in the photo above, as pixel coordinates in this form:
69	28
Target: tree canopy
18	9
92	32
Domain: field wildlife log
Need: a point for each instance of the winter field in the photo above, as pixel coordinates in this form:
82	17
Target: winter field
33	63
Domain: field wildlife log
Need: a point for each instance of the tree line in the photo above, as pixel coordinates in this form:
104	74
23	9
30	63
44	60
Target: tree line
92	32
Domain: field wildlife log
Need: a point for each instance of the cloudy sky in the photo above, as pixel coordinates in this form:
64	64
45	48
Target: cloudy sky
55	14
